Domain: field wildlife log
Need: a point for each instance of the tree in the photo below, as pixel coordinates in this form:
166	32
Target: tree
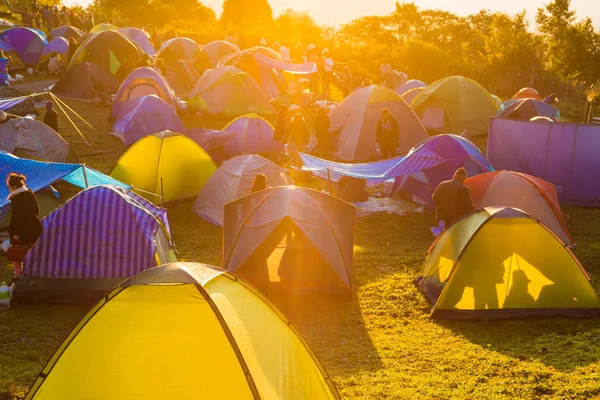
243	13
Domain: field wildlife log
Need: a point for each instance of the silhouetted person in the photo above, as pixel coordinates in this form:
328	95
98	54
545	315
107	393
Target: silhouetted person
388	134
51	117
281	125
73	47
453	198
518	295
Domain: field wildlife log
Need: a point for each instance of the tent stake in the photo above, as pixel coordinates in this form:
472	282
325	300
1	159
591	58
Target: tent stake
329	180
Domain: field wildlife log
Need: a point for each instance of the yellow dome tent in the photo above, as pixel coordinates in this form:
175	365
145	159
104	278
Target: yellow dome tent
183	331
165	164
500	262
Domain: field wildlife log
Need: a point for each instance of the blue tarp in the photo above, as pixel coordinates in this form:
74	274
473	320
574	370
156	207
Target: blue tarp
42	174
374	172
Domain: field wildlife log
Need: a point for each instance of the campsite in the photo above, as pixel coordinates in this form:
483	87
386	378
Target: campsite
190	249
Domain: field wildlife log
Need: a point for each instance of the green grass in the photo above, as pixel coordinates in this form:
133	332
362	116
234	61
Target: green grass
379	345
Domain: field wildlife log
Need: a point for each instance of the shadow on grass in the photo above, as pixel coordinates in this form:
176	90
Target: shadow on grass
561	343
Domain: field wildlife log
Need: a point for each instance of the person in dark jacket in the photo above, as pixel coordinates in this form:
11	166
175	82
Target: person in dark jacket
322	124
51	117
281	125
298	134
73	47
388	134
453	199
25	227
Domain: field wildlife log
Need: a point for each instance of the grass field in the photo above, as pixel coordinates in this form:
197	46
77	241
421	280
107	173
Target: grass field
379	345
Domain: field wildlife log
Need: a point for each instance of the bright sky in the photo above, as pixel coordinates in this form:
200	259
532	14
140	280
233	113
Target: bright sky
333	12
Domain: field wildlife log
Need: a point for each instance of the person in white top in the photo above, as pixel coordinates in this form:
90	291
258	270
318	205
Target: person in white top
327	69
285	53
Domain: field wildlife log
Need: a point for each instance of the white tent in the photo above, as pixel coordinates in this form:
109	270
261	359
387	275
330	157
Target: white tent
29	138
233	180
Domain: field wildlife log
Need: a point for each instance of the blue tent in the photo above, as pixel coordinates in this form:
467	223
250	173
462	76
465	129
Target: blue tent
42	174
526	109
144	116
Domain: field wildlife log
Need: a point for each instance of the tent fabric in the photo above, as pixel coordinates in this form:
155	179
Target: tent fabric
459	104
253	134
263	69
270	63
535	196
528	93
104	27
354	123
6	48
228	91
144	116
14	102
502	263
410	85
141	37
433	161
221	324
526	109
110	50
28	43
67	32
166	166
101	235
141	82
183	75
33	139
410	95
180	48
85	81
41	174
324	222
232	180
564	154
217	50
58	45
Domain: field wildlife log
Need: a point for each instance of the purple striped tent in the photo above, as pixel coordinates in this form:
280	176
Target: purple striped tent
97	239
58	45
28	43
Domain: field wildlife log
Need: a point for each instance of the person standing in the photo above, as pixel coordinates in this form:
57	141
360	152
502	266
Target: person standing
327	70
26	17
51	117
156	40
284	50
388	134
453	199
25	227
73	47
347	81
47	17
298	134
281	125
35	12
322	125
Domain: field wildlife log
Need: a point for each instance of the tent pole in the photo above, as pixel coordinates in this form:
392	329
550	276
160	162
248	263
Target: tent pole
162	192
84	175
329	180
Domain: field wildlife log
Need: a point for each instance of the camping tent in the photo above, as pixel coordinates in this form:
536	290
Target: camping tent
141	37
103	27
564	154
67	32
410	95
433	161
86	81
29	138
16	102
165	165
253	134
141	82
233	180
180	48
218	49
527	93
143	116
14	62
290	238
213	335
536	197
526	109
354	123
110	50
97	239
58	45
503	263
455	105
182	76
28	43
410	85
228	91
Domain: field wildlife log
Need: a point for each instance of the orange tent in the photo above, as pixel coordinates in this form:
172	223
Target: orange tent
527	93
535	196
